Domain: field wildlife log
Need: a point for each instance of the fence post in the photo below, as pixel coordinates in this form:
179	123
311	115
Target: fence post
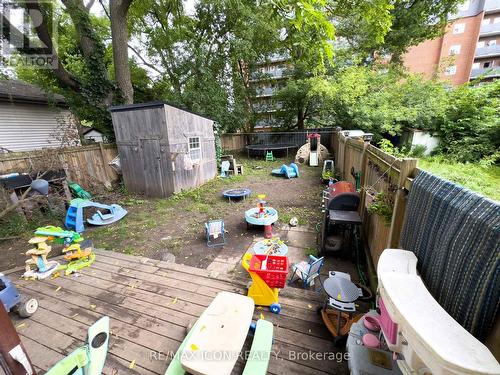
364	168
407	167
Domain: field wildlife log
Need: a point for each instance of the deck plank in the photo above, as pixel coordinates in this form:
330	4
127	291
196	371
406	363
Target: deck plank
150	303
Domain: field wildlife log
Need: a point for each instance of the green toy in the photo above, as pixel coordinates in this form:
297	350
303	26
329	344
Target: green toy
269	156
59	235
88	359
77	264
78	191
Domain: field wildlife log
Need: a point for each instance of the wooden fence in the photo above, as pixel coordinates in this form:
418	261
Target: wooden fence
380	173
238	141
86	165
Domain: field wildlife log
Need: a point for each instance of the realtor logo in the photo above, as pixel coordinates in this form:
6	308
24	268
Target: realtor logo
28	34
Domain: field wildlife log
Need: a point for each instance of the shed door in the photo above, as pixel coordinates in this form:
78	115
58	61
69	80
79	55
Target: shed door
151	163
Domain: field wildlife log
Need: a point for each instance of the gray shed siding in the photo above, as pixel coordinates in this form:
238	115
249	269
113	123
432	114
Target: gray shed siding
26	127
153	142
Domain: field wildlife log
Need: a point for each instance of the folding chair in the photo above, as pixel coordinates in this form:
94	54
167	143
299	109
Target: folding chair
214	230
306	271
224	168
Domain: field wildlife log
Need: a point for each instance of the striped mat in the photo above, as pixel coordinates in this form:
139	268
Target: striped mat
455	234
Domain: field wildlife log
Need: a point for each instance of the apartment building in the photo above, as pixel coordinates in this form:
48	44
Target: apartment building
266	80
469	49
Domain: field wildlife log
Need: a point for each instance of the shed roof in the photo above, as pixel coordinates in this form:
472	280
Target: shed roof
14	90
155	104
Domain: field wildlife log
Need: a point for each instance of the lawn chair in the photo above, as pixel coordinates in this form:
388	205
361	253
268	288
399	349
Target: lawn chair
224	168
269	156
214	230
306	271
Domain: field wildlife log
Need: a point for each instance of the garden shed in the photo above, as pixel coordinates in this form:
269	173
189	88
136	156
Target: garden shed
163	149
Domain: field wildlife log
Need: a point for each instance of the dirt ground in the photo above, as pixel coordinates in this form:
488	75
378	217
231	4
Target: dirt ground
174	227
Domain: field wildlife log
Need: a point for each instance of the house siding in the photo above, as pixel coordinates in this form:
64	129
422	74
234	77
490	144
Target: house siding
26	127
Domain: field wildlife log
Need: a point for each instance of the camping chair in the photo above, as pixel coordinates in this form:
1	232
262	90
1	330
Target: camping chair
224	168
269	156
306	271
214	230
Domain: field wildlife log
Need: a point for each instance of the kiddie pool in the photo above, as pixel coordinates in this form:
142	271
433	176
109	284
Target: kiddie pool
270	217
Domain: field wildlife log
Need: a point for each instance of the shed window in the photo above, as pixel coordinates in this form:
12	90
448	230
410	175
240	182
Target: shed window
194	149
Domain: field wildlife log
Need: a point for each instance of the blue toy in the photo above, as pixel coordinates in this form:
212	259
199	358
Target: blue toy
74	216
12	299
290	172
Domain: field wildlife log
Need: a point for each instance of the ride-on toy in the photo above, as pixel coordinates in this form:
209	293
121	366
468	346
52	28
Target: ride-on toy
12	299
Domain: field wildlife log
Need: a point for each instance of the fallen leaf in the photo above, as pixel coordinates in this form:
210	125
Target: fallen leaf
174	301
93	307
55	275
21	325
194	347
262	316
259	307
310	306
131	365
74	316
58	289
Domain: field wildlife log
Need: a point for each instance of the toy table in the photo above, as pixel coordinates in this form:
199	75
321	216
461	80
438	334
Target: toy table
261	247
218	335
269	217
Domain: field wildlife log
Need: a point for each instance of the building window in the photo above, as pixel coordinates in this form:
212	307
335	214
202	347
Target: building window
476	65
492	43
480	44
487	64
485	21
194	149
464	6
455	50
496	20
451	70
458	28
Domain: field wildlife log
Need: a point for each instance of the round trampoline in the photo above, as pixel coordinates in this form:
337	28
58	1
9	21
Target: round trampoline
237	193
262	149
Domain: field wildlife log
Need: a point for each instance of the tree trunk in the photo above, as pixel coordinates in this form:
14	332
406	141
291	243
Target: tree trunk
300	119
119	35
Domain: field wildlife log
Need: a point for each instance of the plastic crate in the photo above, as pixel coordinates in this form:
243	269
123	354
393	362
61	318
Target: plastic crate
276	271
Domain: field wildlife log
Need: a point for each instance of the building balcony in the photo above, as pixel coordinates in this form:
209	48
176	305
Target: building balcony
264	91
491	6
488	51
486	72
274	74
489	30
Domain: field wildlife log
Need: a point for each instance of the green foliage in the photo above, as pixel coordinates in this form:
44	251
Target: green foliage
485	179
382	206
470	130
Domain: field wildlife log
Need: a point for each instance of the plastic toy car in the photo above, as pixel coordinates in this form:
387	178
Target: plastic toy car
12	299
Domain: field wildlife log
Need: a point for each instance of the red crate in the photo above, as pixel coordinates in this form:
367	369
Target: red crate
276	270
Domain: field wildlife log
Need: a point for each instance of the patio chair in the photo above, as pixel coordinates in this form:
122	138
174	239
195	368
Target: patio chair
269	156
215	229
224	168
306	271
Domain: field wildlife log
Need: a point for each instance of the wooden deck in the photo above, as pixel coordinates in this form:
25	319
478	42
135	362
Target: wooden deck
150	303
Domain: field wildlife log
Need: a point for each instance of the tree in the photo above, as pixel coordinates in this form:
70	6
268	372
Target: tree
82	61
415	21
119	38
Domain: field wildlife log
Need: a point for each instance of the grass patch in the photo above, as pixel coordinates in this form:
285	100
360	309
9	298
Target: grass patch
311	251
482	179
304	215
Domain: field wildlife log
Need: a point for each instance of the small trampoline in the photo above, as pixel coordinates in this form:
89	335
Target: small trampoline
239	193
262	149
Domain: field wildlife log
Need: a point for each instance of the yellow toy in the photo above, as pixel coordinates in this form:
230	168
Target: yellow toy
74	251
42	267
268	273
